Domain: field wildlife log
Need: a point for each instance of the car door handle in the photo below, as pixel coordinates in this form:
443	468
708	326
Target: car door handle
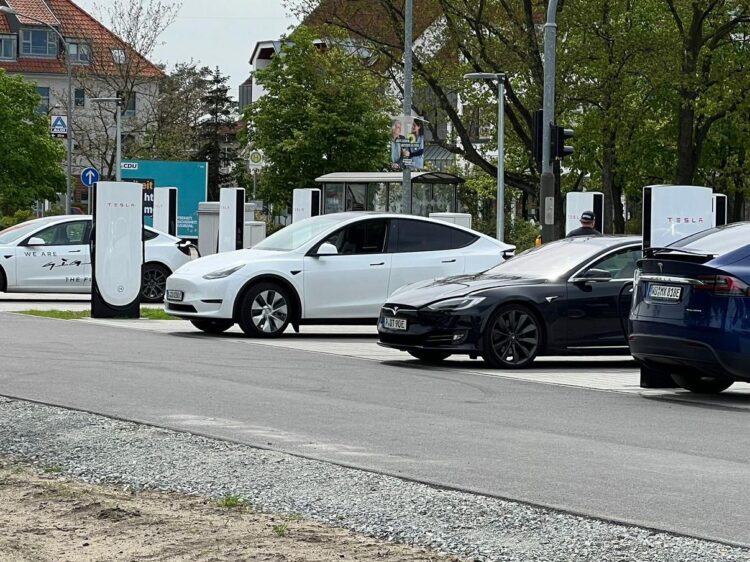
75	251
377	264
450	261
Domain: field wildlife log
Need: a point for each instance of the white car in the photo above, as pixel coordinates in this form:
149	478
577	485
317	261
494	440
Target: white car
337	268
51	255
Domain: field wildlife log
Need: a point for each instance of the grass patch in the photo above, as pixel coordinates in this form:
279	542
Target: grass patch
148	313
281	530
53	469
230	501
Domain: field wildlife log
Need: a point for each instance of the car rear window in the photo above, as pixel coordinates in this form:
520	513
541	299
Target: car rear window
716	241
424	236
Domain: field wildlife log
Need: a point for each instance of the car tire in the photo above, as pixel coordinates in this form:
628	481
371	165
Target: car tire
265	311
212	326
702	384
430	356
513	338
154	282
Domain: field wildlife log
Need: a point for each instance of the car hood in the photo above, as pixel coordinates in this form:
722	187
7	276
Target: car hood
426	292
216	262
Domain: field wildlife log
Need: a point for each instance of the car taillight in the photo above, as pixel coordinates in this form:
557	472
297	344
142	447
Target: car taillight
724	285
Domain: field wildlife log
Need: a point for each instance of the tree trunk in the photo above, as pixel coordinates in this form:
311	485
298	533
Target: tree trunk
686	153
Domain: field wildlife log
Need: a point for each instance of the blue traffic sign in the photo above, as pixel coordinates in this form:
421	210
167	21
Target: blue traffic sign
89	176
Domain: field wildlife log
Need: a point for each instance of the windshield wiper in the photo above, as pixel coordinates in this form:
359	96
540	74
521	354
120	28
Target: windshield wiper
669	249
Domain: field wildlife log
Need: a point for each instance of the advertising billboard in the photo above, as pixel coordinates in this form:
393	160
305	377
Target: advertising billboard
190	179
407	142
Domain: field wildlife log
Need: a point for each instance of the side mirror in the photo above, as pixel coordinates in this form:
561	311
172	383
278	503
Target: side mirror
327	249
594	276
507	254
35	242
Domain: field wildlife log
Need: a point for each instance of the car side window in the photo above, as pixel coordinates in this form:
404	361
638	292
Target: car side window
423	236
364	237
65	234
621	264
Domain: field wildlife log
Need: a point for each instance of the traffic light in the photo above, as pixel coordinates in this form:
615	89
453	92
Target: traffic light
537	132
559	136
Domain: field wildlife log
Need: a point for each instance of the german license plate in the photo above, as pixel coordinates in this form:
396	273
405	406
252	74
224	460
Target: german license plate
665	292
394	323
175	296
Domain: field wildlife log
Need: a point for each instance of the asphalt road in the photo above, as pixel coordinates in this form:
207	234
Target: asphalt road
672	465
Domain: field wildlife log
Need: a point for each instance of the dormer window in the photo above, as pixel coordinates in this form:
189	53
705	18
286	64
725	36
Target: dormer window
80	52
8	47
118	56
38	43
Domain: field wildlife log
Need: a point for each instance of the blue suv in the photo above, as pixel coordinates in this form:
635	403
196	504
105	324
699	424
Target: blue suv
691	309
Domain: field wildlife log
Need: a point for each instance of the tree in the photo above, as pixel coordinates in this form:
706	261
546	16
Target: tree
30	161
216	133
123	71
178	112
324	111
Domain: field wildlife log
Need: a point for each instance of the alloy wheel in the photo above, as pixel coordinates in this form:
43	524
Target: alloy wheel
269	311
515	337
154	284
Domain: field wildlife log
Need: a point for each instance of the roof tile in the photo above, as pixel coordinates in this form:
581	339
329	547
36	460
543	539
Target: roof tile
37	9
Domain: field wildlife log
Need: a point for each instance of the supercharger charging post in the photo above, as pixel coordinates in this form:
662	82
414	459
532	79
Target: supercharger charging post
720	210
116	249
577	202
670	213
231	219
305	204
165	210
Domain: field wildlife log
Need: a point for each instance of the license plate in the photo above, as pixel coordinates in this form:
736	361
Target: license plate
175	296
394	323
665	292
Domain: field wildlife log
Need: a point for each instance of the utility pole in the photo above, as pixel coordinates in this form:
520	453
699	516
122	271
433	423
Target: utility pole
406	181
547	186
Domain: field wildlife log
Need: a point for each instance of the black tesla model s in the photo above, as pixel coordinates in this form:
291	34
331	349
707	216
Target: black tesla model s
569	297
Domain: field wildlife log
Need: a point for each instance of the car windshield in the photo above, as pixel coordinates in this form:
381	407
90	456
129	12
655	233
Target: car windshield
13	233
716	241
548	261
295	235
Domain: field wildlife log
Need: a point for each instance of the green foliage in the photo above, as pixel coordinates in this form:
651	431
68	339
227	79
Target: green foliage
281	530
22	215
231	501
147	313
30	161
324	111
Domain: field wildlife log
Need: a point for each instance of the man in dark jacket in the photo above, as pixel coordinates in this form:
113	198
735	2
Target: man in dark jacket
588	221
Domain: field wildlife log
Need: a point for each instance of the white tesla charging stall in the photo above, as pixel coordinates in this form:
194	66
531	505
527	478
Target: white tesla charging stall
116	249
305	204
577	202
165	210
231	219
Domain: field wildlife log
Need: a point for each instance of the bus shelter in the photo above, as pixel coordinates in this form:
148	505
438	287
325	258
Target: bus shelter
431	192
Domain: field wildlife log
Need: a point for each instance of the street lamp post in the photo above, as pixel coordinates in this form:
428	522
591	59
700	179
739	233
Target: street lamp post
118	126
66	46
547	194
406	176
500	77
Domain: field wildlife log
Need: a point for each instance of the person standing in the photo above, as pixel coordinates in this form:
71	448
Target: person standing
588	226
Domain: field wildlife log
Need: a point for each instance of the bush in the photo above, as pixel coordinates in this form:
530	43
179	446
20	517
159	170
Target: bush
16	218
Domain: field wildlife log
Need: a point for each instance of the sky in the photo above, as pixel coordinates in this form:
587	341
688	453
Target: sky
225	38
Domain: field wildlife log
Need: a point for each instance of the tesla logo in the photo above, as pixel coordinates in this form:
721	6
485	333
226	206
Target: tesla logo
121	205
393	310
685	220
660	265
120	289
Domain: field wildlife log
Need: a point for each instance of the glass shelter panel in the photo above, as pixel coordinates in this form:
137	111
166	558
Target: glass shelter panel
333	198
377	197
356	196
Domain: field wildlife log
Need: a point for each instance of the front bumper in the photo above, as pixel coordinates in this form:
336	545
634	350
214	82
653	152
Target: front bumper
431	331
201	298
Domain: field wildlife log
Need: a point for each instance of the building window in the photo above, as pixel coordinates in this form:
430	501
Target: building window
128	106
118	55
38	43
80	53
80	97
7	47
44	102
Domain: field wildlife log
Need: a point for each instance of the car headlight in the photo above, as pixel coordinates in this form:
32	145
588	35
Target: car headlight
460	303
222	273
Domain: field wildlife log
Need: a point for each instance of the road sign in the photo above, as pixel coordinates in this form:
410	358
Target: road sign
58	127
255	160
90	176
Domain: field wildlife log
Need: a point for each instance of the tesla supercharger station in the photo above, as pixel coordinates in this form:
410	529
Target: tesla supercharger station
305	204
672	212
231	219
116	249
720	210
165	210
577	202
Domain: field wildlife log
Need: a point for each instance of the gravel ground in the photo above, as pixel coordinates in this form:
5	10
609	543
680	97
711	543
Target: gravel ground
100	450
